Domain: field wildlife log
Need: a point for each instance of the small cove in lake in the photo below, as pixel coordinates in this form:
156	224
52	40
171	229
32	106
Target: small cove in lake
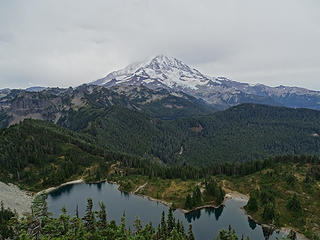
206	222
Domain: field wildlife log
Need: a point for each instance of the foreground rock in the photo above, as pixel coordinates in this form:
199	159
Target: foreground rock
15	198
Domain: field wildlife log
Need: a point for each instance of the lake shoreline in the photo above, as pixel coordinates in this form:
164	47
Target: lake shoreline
285	230
229	195
168	204
52	189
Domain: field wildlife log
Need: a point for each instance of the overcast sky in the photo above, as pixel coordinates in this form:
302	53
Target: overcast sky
70	42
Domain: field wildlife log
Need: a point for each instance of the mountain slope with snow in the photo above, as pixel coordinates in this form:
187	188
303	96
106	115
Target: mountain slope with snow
160	71
171	73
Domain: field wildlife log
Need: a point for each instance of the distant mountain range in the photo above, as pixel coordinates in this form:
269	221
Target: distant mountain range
171	73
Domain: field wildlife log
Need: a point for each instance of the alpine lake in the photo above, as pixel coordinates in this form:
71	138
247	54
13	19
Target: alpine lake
206	223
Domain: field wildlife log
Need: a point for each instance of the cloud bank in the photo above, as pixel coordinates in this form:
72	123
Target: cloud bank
67	43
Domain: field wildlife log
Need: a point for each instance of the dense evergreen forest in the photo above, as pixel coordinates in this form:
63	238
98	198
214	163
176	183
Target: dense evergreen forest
38	154
242	133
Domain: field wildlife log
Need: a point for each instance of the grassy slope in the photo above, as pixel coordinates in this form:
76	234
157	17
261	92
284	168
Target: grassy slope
169	190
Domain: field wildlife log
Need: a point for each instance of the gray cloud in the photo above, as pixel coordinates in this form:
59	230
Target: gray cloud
67	43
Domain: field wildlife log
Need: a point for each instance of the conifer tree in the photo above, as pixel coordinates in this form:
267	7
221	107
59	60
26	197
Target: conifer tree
190	233
197	196
39	215
188	204
89	218
252	203
163	224
137	224
170	221
102	216
64	220
123	224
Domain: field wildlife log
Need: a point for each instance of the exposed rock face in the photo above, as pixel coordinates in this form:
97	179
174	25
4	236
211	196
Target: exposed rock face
44	105
53	104
14	198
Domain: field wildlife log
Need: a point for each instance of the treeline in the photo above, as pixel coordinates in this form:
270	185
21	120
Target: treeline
133	165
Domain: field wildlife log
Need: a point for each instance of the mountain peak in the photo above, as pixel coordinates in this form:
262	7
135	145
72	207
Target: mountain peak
164	59
159	71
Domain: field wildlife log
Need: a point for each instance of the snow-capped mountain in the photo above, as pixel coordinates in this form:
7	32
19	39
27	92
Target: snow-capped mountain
170	73
158	72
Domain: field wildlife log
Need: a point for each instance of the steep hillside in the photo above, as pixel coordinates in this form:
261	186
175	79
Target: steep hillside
37	154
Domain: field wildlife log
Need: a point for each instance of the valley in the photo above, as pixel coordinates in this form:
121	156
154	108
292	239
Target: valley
167	145
159	120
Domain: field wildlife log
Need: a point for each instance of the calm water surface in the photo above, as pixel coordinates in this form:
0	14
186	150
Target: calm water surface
206	223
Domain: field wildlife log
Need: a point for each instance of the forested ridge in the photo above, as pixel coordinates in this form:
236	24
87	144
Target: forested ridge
242	133
40	152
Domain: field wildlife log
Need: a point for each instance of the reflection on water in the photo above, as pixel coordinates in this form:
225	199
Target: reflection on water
125	195
194	215
99	186
252	224
63	190
267	231
218	212
206	223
